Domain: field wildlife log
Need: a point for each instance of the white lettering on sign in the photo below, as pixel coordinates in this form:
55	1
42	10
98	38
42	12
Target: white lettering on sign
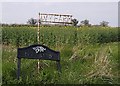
39	49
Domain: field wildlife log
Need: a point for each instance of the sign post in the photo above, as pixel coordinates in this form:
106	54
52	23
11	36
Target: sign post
51	18
38	39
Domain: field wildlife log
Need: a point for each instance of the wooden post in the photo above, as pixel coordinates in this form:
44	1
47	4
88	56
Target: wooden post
38	38
38	32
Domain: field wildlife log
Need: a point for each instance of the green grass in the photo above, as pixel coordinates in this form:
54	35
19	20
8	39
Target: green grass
74	71
89	55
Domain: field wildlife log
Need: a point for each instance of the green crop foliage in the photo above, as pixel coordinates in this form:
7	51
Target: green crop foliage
53	36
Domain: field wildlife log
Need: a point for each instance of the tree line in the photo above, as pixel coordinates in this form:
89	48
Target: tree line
85	22
33	22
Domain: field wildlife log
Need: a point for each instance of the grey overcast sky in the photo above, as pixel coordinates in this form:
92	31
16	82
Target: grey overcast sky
95	12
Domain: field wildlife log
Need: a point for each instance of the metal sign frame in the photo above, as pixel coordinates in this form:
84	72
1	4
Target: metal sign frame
55	18
37	52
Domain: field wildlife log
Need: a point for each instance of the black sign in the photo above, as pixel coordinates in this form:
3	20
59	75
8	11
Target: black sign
37	52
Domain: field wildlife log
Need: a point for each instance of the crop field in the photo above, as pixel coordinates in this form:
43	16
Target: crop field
89	55
52	36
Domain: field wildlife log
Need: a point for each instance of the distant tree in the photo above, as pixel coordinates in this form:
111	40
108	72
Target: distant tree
104	23
85	22
74	22
32	21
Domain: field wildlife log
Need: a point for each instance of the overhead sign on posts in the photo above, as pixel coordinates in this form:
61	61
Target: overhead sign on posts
55	18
